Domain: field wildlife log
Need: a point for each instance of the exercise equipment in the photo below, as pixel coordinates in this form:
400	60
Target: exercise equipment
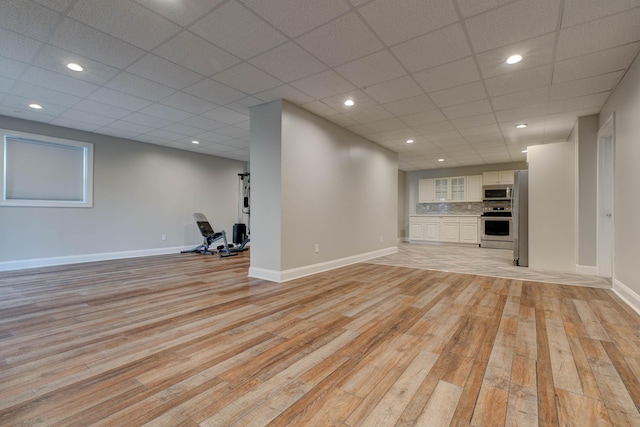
210	236
240	230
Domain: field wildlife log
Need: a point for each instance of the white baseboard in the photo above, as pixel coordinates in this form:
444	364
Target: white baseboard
296	273
589	270
627	295
75	259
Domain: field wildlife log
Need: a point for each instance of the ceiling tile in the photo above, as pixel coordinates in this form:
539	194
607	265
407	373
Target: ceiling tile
589	85
125	20
133	128
522	114
196	54
183	12
203	123
294	19
47	79
376	68
85	41
393	90
581	11
181	129
369	113
323	85
90	106
225	115
18	47
386	125
601	34
145	120
480	130
247	78
43	95
118	99
214	92
189	103
593	64
535	52
440	47
520	99
595	100
512	23
486	140
243	105
212	138
448	75
340	41
465	110
165	112
19	105
54	59
459	95
118	133
74	124
409	106
57	5
424	118
416	17
321	109
288	62
285	92
434	128
28	18
11	69
140	87
84	117
237	30
473	121
162	71
519	81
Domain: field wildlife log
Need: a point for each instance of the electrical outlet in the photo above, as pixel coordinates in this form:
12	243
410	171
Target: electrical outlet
163	237
468	206
317	247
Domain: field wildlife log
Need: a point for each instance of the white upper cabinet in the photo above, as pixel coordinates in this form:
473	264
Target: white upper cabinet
457	189
497	178
426	189
441	189
474	188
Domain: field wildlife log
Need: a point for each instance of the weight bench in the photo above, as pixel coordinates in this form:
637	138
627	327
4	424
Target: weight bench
210	237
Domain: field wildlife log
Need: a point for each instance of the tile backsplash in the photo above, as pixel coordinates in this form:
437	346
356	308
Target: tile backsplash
458	208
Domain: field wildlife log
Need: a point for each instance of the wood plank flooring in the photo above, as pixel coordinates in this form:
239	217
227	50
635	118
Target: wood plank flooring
190	340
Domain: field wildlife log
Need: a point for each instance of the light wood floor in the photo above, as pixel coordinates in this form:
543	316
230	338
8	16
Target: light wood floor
186	340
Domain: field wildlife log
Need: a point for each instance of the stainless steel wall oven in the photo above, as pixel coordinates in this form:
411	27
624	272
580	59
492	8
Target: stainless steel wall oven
496	229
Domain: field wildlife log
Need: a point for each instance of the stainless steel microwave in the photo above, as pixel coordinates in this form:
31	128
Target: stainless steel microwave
496	192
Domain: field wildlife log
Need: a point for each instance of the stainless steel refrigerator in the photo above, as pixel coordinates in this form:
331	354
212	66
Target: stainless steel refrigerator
520	212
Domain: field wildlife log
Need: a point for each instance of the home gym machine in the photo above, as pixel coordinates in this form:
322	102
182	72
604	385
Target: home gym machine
240	229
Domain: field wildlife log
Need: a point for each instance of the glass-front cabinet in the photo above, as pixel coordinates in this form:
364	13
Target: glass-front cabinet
457	188
442	189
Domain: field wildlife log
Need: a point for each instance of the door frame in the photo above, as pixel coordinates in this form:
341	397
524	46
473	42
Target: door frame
605	198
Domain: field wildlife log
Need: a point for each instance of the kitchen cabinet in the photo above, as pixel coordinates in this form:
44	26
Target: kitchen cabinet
457	189
426	188
424	228
444	228
450	229
468	230
474	188
497	178
441	189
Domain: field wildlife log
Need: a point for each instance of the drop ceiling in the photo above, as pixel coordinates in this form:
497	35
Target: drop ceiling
168	72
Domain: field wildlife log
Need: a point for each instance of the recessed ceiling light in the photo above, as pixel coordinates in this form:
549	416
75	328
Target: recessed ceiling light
349	103
35	106
521	126
195	142
75	67
441	160
410	141
524	151
514	59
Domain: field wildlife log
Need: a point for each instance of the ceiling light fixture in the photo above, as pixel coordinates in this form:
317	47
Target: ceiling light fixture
195	142
349	103
514	59
521	126
441	160
75	67
410	141
35	106
524	151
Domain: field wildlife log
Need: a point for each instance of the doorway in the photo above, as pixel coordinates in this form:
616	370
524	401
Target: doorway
605	199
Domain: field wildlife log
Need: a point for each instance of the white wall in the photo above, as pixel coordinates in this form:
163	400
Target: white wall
337	190
141	191
625	102
586	137
552	206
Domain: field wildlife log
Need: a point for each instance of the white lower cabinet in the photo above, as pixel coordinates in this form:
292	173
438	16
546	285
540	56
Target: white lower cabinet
468	230
450	229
